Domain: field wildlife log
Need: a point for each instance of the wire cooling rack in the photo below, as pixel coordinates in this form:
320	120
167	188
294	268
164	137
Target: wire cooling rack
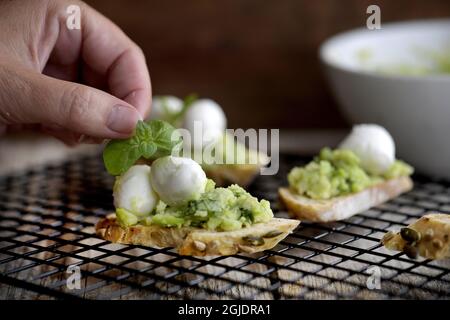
47	239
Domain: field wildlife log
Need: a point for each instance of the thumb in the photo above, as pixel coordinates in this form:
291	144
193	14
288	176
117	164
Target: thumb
36	98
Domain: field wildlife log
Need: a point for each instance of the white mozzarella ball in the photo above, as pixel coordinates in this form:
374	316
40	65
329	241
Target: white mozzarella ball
373	145
207	115
133	191
177	180
164	107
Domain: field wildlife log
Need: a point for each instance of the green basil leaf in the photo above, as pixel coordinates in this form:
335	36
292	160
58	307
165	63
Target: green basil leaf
119	155
163	135
142	130
153	139
147	149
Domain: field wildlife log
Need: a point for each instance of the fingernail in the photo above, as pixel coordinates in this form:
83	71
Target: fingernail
122	119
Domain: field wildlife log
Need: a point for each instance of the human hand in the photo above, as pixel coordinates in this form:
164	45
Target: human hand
92	82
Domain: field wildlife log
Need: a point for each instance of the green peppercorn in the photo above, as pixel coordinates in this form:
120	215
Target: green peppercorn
410	251
410	235
272	234
254	240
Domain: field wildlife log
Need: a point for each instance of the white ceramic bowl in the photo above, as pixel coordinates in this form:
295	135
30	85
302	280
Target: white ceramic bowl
415	109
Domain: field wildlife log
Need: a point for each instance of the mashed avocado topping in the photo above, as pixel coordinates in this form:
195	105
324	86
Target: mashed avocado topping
398	169
338	172
221	209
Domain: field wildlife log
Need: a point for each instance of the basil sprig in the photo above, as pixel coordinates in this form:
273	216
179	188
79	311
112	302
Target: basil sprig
151	139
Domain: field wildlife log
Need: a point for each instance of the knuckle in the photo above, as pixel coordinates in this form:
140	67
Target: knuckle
15	90
77	101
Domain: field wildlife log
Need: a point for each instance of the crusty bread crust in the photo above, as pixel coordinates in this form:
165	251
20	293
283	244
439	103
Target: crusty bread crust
434	242
199	242
340	208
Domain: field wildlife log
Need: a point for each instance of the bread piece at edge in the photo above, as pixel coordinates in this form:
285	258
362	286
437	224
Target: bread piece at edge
434	238
343	207
199	242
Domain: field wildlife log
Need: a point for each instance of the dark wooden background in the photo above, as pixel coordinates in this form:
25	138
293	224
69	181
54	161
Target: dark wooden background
257	58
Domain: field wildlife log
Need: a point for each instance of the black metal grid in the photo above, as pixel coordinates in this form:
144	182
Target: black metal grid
46	224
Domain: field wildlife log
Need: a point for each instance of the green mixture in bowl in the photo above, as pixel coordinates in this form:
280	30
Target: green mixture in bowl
428	63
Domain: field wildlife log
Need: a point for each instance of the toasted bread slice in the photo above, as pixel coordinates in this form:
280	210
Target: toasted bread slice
343	207
428	237
199	242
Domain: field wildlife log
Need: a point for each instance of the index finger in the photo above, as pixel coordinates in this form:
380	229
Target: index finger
109	53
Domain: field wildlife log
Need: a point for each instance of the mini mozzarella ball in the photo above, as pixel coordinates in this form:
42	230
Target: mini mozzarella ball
210	117
373	145
133	191
165	106
177	180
